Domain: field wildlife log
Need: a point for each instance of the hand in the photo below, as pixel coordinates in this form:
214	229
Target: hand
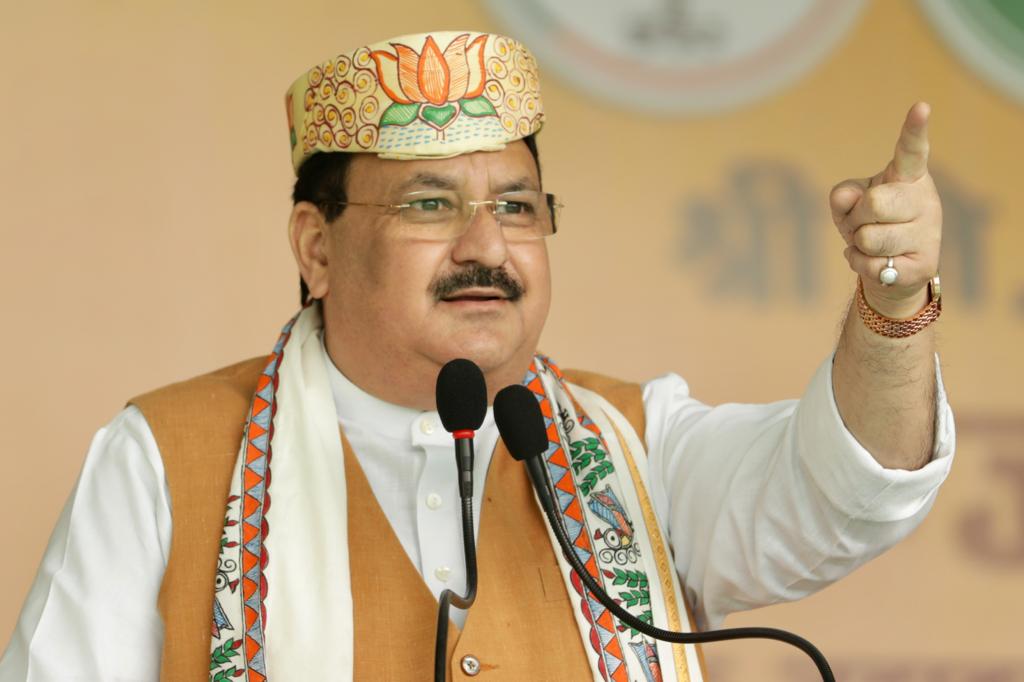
896	213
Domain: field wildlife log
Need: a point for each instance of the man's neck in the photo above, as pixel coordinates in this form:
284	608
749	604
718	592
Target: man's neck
412	385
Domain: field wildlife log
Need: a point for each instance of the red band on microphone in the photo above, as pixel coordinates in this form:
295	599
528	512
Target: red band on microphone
463	433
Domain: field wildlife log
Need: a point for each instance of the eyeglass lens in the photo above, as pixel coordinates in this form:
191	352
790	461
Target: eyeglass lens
522	215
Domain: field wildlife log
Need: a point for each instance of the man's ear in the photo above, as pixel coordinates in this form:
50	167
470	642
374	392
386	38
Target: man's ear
307	233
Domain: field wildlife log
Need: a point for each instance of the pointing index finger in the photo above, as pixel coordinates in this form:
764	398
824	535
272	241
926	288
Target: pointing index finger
910	160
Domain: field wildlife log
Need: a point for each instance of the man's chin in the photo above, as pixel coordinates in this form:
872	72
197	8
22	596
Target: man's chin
489	352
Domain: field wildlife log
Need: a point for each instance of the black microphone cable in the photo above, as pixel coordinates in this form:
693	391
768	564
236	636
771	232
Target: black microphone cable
461	397
521	425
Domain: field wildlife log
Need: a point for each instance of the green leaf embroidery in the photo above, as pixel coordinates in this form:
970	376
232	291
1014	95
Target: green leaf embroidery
399	114
225	675
646	617
586	452
633	579
478	106
580	462
587	483
594	476
634	597
438	116
224	653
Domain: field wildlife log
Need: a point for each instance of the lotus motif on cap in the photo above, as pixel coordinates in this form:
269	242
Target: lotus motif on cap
434	85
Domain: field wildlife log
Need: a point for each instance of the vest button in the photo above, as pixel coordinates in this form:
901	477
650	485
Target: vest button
470	665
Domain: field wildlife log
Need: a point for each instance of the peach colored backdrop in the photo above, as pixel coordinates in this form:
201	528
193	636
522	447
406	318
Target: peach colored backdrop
145	180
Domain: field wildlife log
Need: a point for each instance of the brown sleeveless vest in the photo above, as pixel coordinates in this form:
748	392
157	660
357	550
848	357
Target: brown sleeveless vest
522	607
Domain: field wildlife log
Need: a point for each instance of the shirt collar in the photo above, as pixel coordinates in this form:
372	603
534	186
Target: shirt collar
356	406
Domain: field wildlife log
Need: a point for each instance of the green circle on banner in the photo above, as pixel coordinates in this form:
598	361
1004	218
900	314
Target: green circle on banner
679	56
987	34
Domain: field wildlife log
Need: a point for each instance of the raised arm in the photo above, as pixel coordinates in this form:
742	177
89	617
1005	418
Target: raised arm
885	387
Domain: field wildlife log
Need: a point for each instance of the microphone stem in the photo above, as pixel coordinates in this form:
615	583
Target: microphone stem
469	548
669	635
448	598
464	462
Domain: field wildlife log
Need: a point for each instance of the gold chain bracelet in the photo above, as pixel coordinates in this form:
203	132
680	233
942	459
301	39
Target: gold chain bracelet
900	329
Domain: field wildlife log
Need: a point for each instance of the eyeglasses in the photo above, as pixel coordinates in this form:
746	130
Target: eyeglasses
444	214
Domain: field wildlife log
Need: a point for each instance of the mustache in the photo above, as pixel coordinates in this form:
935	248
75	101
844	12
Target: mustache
477	276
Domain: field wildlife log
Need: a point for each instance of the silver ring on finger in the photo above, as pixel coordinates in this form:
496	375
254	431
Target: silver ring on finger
888	274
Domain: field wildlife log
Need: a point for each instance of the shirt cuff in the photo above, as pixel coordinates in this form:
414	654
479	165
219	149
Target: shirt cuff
852	480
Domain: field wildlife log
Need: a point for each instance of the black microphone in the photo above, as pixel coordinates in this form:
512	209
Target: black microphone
521	425
461	397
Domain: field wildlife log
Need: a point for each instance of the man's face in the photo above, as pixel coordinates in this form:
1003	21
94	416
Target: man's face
398	306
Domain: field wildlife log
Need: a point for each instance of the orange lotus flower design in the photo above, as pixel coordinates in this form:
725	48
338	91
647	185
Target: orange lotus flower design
434	85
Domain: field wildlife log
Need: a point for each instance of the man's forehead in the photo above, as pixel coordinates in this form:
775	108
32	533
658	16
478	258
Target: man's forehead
508	170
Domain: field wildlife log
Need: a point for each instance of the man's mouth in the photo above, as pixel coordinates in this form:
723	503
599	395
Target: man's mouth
475	295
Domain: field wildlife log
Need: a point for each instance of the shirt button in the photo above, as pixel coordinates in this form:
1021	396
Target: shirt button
470	665
434	501
427	426
442	573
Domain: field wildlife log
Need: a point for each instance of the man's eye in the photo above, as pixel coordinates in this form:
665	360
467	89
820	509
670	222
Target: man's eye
430	205
515	207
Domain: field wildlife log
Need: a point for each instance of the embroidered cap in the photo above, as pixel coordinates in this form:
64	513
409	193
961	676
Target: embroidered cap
428	95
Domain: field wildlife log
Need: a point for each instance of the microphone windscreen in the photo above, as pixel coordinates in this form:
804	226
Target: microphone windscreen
461	395
520	422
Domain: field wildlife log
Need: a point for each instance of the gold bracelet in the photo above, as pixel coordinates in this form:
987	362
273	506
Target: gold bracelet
900	329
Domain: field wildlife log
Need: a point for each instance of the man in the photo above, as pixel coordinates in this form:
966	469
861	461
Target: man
426	245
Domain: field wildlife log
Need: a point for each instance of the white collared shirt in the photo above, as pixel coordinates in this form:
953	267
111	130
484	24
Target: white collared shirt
740	538
409	462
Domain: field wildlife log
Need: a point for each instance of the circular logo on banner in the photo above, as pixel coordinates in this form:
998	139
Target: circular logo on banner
987	34
697	56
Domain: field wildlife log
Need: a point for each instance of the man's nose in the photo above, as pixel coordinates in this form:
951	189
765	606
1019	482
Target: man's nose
482	241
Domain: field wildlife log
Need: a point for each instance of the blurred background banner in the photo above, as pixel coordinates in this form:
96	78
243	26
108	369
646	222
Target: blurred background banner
145	178
679	55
